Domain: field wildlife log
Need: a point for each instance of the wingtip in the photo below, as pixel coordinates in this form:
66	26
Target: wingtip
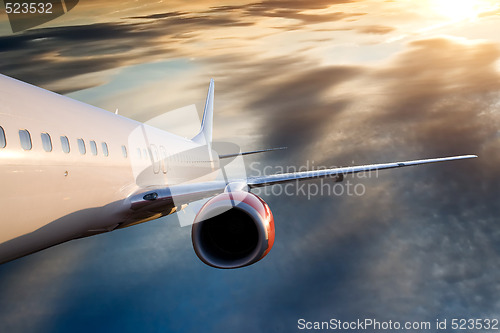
462	157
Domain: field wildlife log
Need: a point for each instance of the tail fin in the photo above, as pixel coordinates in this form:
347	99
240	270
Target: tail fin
204	137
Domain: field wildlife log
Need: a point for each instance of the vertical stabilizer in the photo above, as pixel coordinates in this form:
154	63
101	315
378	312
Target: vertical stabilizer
204	137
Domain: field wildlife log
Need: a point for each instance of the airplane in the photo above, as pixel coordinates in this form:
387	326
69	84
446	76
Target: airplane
70	170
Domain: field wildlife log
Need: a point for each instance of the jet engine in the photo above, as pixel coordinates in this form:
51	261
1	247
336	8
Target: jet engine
232	230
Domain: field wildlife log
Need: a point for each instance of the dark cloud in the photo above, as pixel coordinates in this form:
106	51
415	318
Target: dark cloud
294	10
299	106
46	55
246	14
160	16
178	19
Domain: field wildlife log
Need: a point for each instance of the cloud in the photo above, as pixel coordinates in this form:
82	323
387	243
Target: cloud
492	12
292	10
303	18
44	56
246	15
415	99
178	19
299	106
421	238
445	93
49	55
375	29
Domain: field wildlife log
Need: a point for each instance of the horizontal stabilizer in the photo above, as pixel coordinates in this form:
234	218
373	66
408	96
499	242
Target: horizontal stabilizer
251	152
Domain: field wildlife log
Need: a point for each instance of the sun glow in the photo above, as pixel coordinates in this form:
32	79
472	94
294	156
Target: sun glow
462	9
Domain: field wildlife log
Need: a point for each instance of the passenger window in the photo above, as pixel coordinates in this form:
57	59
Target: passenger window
124	151
46	142
81	146
25	137
93	147
105	149
139	152
145	153
2	138
65	144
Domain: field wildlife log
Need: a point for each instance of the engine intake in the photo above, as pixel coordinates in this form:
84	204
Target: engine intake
233	230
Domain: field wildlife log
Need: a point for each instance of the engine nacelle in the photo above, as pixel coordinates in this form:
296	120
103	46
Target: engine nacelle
232	230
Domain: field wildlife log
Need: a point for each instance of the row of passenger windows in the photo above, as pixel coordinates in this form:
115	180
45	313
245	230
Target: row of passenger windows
26	143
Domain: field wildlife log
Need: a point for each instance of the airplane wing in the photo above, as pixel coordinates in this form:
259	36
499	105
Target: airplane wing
287	177
157	199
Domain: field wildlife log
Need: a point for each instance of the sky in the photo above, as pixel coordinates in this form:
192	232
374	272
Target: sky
338	82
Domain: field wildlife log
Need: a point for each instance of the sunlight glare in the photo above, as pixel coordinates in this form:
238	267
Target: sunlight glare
461	9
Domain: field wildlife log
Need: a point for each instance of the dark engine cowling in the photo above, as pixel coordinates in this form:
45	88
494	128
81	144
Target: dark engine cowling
233	230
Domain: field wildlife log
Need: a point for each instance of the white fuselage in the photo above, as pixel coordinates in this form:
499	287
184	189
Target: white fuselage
48	197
